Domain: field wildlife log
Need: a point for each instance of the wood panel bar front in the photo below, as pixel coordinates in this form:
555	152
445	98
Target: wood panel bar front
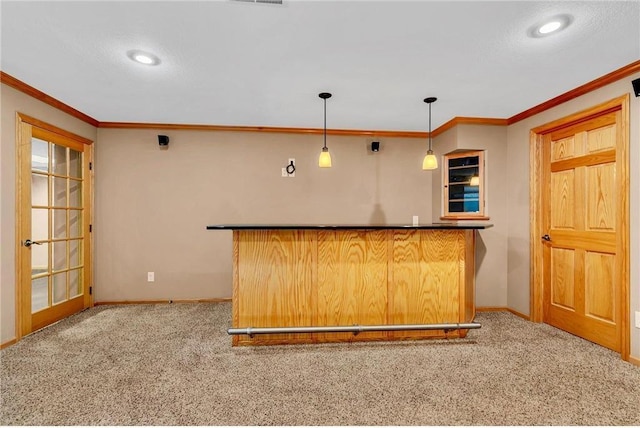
340	277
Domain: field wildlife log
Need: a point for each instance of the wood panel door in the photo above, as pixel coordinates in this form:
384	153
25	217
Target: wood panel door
54	245
583	228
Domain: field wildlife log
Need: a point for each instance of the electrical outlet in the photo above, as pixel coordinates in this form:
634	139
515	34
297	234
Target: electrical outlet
151	276
637	319
284	172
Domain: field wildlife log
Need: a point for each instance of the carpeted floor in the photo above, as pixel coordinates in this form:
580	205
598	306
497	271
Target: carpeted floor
173	365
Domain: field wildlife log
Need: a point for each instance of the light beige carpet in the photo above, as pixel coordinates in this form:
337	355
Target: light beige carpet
173	365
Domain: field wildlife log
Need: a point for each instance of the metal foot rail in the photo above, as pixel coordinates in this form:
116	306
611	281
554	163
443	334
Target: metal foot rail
250	331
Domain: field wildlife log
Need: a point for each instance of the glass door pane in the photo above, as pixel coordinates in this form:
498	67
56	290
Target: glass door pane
75	223
59	287
75	164
39	190
75	193
56	224
75	283
39	225
59	223
463	184
39	293
39	155
59	256
40	259
59	161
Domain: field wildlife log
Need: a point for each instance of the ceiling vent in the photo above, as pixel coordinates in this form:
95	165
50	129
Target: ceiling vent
261	1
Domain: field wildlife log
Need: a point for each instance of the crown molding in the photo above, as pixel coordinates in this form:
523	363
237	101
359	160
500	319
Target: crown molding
560	99
345	132
231	128
598	83
39	95
461	120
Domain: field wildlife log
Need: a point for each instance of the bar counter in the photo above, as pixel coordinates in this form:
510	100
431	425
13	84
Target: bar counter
352	275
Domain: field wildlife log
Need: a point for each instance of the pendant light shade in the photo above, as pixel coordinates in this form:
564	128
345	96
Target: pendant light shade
325	157
430	161
475	181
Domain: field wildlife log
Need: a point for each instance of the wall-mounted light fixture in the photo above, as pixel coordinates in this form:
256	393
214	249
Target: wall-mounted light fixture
325	157
430	161
375	146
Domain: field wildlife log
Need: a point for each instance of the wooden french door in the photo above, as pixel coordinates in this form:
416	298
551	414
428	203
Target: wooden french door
583	228
54	246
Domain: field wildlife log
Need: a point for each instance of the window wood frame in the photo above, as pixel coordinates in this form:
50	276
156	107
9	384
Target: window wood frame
481	214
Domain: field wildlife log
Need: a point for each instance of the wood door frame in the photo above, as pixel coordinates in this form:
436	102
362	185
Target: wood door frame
482	187
24	125
537	207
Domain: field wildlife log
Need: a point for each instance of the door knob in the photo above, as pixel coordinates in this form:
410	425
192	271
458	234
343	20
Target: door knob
29	243
546	237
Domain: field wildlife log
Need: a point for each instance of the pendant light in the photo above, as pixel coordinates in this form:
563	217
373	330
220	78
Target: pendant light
430	161
325	157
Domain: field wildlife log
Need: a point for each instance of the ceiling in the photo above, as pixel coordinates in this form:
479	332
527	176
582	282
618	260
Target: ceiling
239	63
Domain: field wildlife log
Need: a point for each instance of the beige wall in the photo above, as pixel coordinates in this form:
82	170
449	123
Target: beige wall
517	187
152	205
491	276
13	101
491	252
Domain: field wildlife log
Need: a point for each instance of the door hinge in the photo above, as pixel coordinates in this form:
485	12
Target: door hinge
90	166
90	228
90	291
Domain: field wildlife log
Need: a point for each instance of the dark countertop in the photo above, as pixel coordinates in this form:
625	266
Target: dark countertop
443	225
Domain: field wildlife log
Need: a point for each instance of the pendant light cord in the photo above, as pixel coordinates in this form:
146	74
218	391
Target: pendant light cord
324	96
430	100
325	123
429	126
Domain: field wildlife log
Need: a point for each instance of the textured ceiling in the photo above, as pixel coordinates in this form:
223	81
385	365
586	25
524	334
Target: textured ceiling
238	63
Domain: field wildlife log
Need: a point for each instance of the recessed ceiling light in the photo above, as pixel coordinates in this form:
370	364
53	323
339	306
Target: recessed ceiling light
143	57
550	26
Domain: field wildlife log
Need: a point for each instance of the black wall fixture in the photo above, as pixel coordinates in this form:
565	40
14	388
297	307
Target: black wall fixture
375	146
636	87
163	141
